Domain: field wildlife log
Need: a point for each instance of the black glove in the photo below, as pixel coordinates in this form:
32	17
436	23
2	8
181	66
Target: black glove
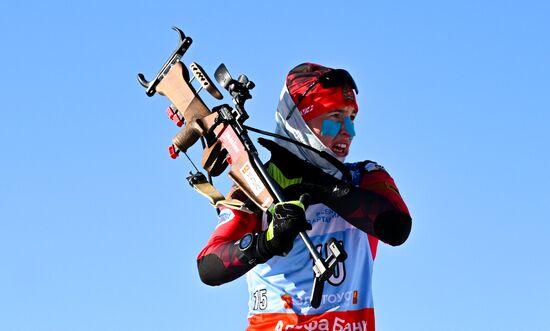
303	177
292	166
288	220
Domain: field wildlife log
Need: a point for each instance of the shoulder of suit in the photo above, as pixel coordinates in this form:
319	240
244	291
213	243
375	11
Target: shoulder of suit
365	166
359	169
372	166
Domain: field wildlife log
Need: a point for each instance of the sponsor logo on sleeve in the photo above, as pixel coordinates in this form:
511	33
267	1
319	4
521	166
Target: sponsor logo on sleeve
372	166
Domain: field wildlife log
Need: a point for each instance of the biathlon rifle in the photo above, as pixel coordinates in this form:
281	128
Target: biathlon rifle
226	143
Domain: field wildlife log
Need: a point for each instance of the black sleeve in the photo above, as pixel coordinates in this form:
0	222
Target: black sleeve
222	264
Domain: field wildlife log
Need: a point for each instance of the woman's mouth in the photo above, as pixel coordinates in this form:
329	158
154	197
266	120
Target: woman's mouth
340	149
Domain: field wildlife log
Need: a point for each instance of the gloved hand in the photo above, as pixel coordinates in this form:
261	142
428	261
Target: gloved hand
288	219
297	176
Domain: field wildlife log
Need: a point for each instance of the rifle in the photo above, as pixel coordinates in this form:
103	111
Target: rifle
226	143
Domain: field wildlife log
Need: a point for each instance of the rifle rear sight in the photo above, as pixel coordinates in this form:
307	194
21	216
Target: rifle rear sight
238	89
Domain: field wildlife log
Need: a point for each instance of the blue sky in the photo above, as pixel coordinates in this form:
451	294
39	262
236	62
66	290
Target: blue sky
99	229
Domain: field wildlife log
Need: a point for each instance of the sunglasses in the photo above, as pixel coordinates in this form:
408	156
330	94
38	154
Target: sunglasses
333	78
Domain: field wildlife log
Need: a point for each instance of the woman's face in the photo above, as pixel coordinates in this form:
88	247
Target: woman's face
332	130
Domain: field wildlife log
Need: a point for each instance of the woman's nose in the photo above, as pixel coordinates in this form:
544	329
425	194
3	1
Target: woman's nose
347	127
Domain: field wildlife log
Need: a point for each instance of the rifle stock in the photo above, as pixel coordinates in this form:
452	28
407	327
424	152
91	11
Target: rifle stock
199	121
175	87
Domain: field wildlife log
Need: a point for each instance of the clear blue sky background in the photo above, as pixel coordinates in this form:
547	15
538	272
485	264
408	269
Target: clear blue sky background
99	229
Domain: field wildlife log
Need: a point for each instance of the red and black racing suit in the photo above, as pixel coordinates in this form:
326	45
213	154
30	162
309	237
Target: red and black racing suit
371	204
